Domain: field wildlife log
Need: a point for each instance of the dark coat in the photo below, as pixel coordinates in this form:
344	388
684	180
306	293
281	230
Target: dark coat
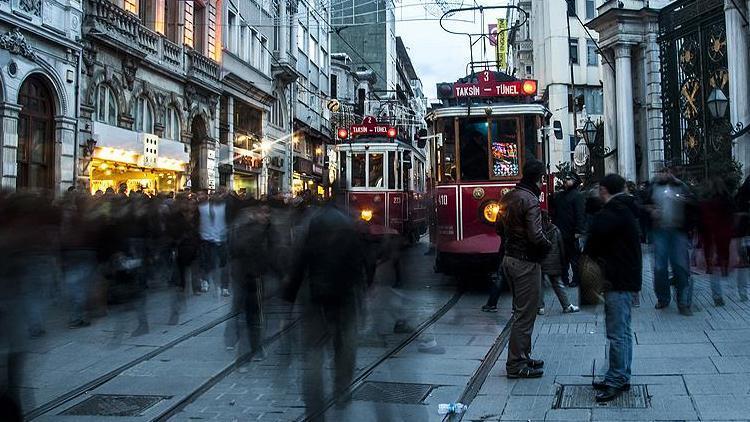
520	224
614	242
570	213
332	259
552	264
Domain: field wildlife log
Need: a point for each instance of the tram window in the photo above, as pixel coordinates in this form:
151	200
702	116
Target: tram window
530	138
447	152
393	174
358	169
473	141
504	143
342	169
406	170
376	171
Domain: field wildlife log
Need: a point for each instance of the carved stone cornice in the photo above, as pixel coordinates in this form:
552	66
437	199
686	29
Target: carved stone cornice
15	42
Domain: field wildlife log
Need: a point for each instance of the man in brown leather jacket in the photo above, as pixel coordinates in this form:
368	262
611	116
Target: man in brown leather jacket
524	245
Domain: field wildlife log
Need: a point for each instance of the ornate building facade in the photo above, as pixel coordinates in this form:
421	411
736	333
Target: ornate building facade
39	62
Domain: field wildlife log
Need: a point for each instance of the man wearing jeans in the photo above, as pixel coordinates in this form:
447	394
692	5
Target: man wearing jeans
614	242
670	204
524	245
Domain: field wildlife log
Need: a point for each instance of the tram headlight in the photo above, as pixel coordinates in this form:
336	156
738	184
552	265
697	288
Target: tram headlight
490	210
365	215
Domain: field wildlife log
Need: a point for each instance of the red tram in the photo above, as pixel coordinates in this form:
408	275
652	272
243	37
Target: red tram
485	128
384	179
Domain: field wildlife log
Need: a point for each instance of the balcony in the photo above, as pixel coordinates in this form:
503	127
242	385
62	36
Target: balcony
124	31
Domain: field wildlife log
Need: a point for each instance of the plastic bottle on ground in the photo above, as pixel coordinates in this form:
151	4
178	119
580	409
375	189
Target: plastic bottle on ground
450	408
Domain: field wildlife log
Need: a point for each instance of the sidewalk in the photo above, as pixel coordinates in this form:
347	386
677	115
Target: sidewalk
693	368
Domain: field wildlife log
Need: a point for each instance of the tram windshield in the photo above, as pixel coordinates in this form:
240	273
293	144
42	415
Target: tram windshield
489	148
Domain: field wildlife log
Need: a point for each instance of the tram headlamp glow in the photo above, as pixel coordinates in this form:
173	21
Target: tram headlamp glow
365	215
490	210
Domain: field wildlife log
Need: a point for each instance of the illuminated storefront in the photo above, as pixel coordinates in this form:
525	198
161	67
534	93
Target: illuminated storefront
138	161
247	166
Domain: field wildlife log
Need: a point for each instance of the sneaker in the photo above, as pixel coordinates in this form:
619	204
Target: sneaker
243	369
401	327
225	292
719	301
489	308
526	373
204	286
661	305
540	311
570	309
259	355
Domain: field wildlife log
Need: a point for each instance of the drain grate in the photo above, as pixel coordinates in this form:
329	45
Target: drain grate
114	405
392	392
582	397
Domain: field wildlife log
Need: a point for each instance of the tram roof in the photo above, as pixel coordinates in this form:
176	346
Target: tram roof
480	110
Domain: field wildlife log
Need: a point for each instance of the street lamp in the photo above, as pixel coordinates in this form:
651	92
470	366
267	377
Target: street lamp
717	104
589	131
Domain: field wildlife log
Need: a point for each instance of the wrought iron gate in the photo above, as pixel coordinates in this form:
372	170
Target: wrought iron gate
692	36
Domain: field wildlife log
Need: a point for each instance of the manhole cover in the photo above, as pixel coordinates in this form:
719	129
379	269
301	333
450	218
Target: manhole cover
392	392
114	405
582	397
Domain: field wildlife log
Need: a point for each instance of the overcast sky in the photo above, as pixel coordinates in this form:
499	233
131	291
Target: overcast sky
437	55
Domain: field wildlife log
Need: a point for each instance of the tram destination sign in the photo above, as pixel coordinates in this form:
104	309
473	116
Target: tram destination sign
370	126
487	86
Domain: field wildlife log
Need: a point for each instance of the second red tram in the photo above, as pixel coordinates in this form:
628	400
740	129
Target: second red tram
384	179
485	129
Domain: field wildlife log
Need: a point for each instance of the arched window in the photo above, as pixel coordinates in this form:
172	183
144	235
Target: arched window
144	117
172	125
106	105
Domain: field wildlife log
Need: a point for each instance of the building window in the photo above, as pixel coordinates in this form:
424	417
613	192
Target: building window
146	11
590	9
243	42
264	54
573	47
232	32
334	86
592	57
172	18
529	70
571	7
276	116
144	117
106	106
199	26
131	6
172	126
254	53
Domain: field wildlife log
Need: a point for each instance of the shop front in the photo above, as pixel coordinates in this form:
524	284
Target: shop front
247	169
307	176
136	161
275	174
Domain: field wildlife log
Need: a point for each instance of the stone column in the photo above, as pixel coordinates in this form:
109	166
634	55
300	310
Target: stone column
294	28
610	112
655	131
9	115
283	33
625	124
65	144
738	86
230	139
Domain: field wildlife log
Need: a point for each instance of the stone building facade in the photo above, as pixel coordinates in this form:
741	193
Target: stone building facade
39	61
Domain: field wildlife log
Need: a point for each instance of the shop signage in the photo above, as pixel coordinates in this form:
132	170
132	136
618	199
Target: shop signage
316	169
370	126
244	162
487	86
150	150
302	165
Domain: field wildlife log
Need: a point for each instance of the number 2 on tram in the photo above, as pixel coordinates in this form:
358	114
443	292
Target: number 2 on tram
488	133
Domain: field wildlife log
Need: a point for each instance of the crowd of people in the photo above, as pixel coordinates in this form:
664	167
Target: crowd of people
595	237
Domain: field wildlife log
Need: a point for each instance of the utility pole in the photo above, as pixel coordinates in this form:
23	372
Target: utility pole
571	95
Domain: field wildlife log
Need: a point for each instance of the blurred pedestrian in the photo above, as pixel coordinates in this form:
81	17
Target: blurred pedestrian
671	205
717	215
249	250
520	227
742	232
552	267
614	241
570	219
331	259
213	214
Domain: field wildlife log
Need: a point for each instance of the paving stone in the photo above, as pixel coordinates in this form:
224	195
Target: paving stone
734	348
669	366
662	408
568	415
732	364
674	350
526	407
677	337
725	407
720	384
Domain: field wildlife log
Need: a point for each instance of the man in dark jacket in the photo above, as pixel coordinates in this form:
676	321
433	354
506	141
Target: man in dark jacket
570	218
614	241
524	243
